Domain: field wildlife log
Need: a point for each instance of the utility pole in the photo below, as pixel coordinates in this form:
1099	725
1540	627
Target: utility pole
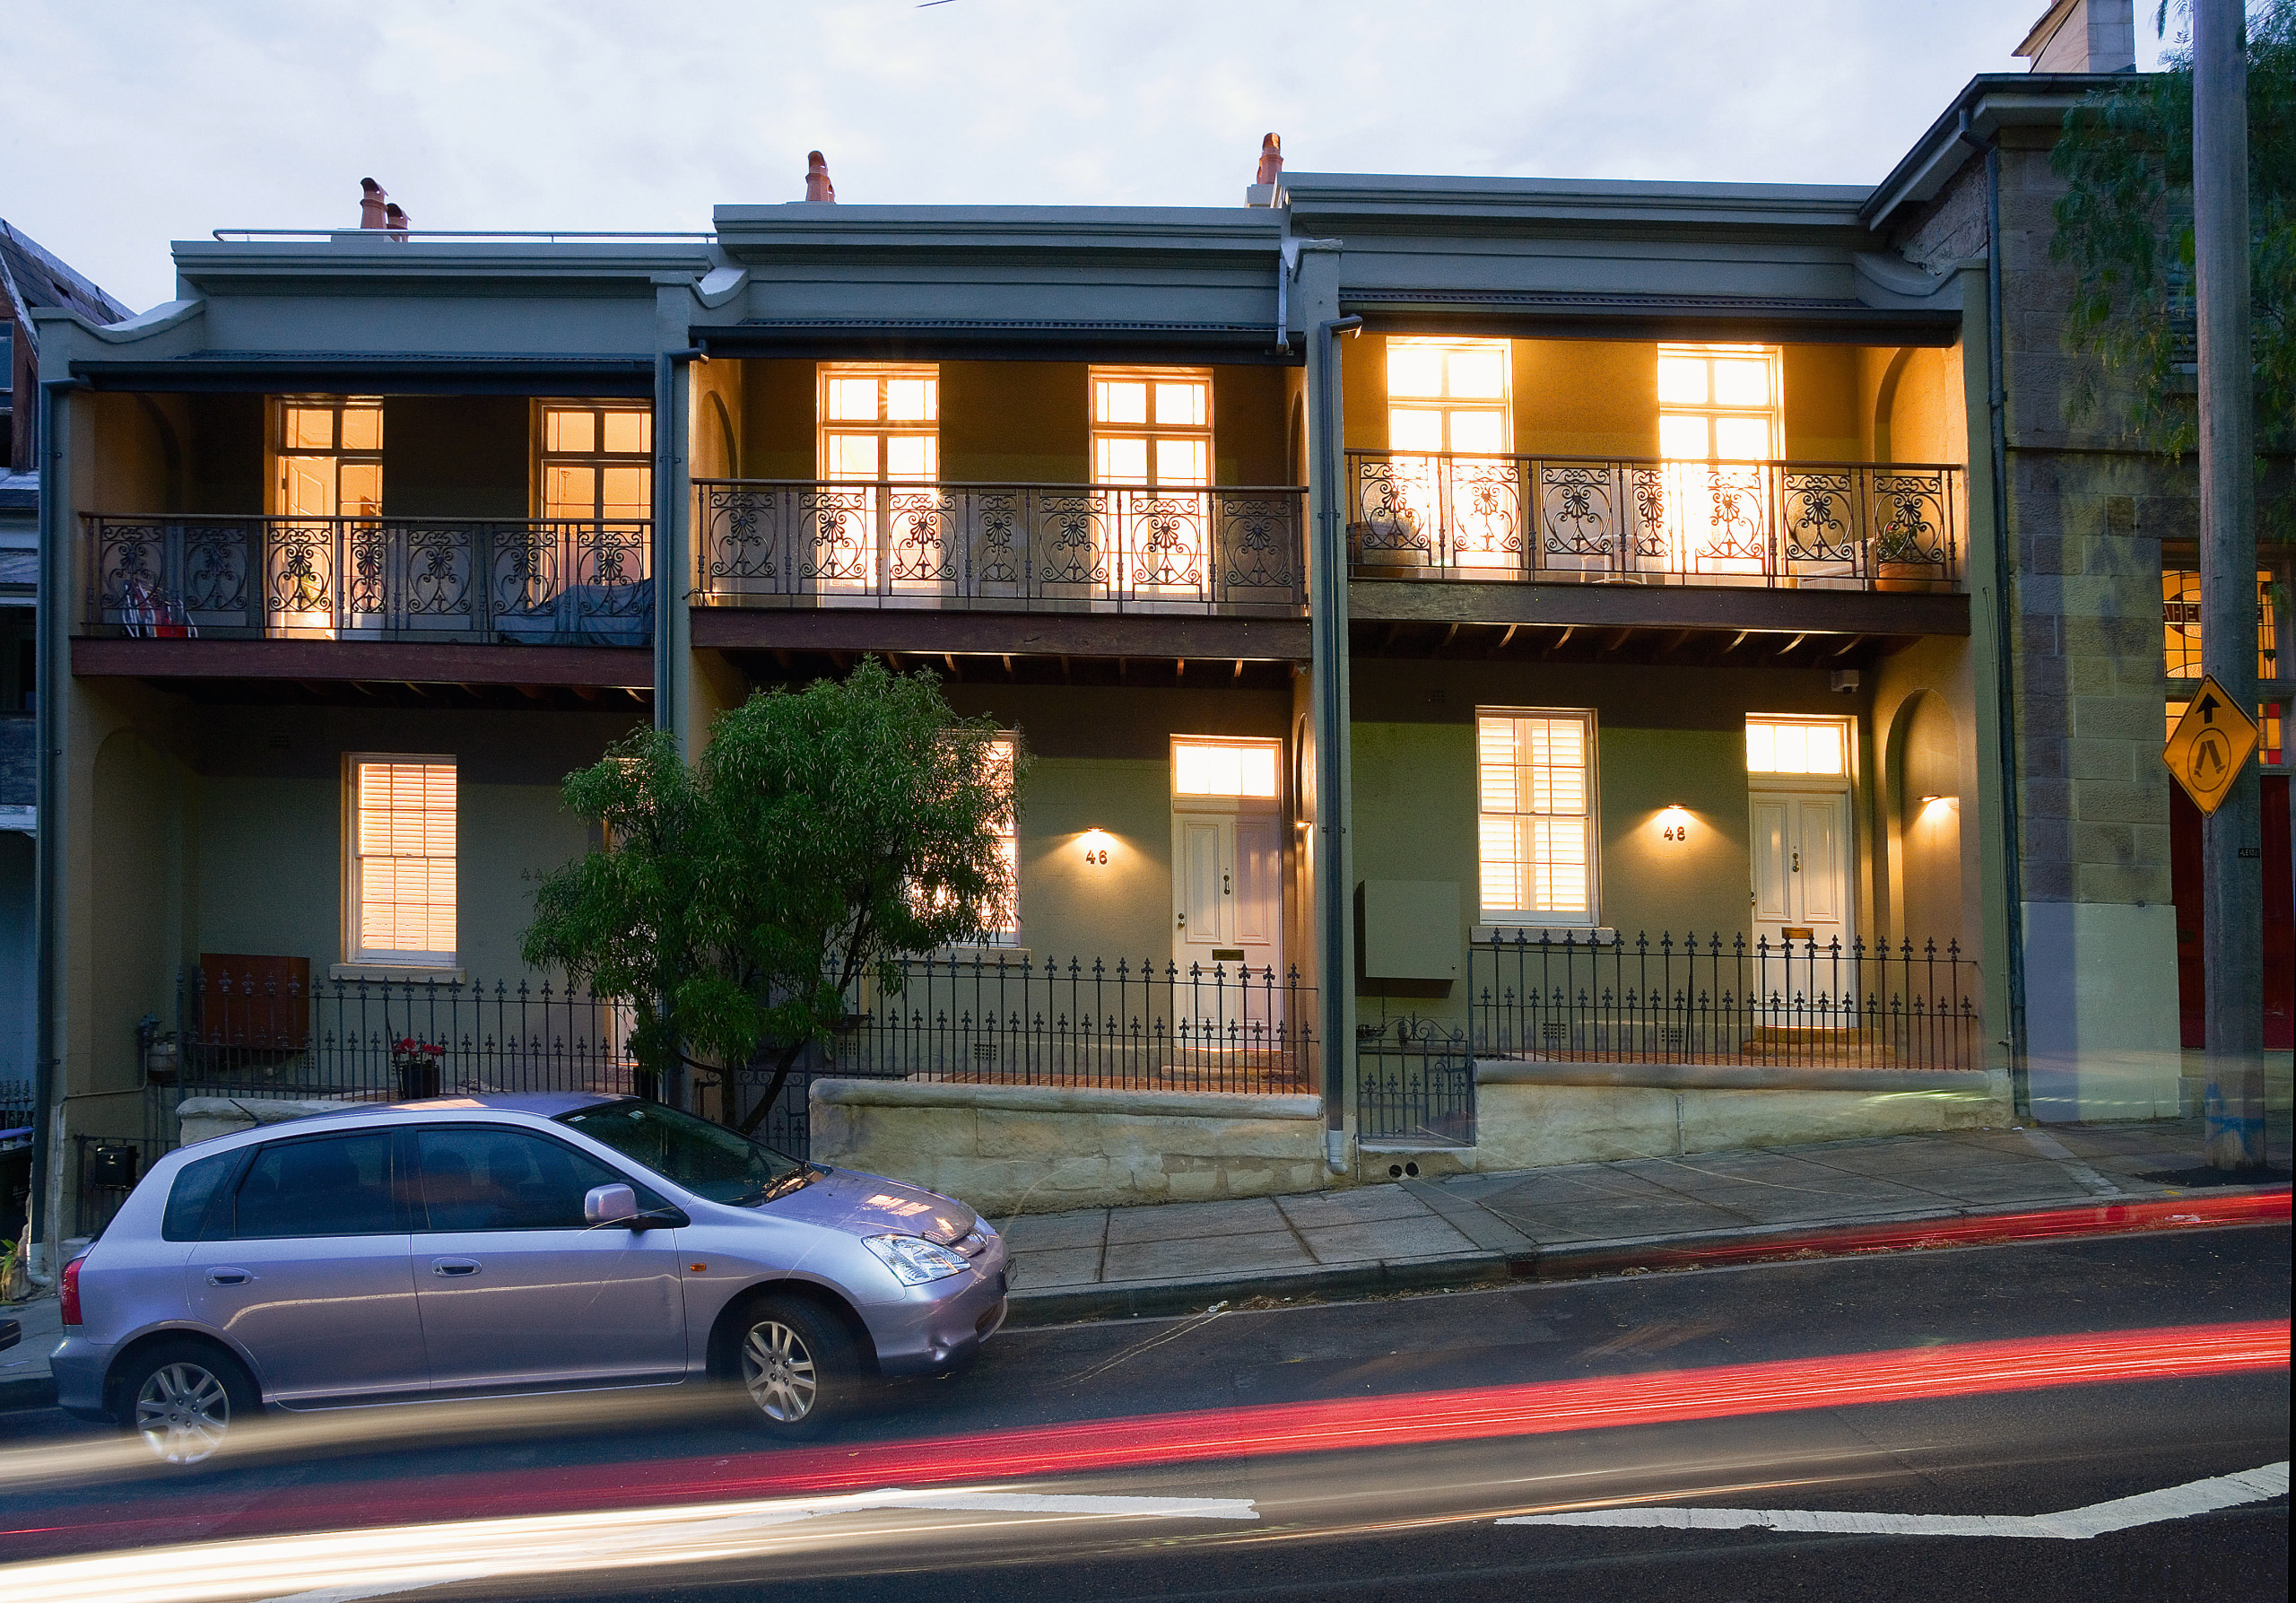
2231	838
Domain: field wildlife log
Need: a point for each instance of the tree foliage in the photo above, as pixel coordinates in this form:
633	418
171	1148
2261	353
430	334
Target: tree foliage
739	906
2125	226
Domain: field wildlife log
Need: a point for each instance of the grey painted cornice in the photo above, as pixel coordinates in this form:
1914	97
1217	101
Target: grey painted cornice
1990	101
373	259
1383	203
814	230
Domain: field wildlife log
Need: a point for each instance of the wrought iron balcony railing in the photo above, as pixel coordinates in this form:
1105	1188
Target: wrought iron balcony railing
1001	547
1584	520
536	581
1755	1003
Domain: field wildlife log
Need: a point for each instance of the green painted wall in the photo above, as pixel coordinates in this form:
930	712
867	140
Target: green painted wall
139	857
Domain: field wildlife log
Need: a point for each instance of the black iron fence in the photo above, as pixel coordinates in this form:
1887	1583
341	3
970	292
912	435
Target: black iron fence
536	581
1566	519
1414	1084
1227	549
387	1040
1148	1025
1581	997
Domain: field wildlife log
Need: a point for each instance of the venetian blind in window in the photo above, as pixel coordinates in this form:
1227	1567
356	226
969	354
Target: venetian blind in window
402	861
1536	806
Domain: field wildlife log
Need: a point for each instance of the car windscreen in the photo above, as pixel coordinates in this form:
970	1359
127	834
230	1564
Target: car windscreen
707	1159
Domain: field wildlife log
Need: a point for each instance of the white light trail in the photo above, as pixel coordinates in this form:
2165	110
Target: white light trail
2099	1518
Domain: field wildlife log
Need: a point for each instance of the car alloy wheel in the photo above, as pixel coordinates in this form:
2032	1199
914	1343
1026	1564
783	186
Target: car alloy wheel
778	1368
183	1411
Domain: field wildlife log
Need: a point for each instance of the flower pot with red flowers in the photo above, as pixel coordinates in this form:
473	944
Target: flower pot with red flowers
417	1063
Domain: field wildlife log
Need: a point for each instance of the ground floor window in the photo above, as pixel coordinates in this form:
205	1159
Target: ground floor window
1535	784
401	867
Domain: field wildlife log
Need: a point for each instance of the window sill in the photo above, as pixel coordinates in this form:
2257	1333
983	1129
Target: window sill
400	973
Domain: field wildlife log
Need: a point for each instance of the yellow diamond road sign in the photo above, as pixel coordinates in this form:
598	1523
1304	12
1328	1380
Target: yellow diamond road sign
2208	745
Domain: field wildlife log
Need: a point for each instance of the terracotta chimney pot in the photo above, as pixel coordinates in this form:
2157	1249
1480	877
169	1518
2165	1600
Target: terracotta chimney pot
370	203
398	221
817	185
1270	159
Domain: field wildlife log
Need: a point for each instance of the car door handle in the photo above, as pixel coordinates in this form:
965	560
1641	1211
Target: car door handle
228	1276
453	1265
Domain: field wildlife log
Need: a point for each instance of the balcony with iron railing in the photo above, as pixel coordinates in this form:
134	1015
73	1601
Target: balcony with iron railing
558	581
1219	550
1777	525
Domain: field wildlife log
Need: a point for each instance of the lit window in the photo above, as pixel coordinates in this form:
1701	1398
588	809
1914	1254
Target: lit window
880	424
402	868
1437	491
597	460
329	462
1152	426
1448	395
1798	745
1717	403
1236	768
1005	929
1536	816
2181	624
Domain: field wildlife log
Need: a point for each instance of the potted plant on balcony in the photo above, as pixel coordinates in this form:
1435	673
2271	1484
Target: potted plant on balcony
417	1063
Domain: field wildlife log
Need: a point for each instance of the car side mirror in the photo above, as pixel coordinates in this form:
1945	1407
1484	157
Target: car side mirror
610	1205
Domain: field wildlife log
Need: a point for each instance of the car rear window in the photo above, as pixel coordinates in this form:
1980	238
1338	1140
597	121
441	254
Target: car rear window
195	1190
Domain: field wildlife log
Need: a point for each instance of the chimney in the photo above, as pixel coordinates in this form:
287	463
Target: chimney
1270	177
817	185
397	220
2083	36
370	203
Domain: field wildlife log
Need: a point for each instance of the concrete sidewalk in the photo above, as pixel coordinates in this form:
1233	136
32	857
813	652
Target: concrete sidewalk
1103	1262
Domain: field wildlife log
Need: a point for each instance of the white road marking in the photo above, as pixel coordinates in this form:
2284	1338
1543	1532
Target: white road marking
2099	1518
347	1566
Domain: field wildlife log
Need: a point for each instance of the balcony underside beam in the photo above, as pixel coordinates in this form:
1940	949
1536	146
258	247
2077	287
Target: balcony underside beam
395	662
930	632
1658	606
1420	639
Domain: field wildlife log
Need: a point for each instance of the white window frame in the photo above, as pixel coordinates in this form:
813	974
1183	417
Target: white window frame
1152	431
597	459
1772	416
1590	819
1795	779
356	952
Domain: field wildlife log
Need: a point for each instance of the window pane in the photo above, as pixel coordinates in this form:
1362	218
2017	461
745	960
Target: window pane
1414	369
309	428
852	456
1182	462
910	400
1681	379
627	431
1120	460
911	455
1120	401
572	431
1798	745
407	905
568	492
1483	431
339	1186
188	1198
1682	438
1534	783
1741	383
361	484
505	1180
853	399
362	427
405	842
627	492
1183	406
1478	375
1741	438
1207	768
1410	429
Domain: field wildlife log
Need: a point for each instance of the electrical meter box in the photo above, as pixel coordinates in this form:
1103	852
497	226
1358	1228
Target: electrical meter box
1410	929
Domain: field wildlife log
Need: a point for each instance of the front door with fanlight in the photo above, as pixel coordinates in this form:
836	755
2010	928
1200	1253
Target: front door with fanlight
1227	856
1801	867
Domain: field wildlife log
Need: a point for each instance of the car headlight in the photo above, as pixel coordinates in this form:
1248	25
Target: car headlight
913	1259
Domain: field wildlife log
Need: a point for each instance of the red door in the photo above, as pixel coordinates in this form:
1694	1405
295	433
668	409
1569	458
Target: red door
2279	917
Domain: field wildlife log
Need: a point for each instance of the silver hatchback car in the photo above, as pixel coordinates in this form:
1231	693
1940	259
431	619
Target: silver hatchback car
486	1246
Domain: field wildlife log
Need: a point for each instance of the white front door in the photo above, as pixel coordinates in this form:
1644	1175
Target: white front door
1227	891
1801	867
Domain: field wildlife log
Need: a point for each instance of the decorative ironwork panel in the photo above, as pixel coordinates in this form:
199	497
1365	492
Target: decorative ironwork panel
1258	541
1819	510
1580	523
1071	542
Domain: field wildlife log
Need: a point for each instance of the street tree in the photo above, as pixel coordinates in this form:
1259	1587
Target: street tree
742	905
2125	227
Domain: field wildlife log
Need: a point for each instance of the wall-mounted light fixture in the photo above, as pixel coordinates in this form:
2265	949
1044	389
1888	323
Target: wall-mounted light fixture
1096	843
1931	801
1674	823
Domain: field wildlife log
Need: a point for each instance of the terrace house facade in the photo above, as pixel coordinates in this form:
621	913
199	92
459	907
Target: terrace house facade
1511	668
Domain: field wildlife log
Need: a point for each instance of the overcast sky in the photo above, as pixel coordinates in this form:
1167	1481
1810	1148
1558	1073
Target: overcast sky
130	123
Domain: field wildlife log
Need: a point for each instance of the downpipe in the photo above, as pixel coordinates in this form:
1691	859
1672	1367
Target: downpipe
1328	622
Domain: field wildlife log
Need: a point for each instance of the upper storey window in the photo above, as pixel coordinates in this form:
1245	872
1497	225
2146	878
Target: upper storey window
329	456
597	460
2181	624
881	423
1718	402
1152	426
1448	395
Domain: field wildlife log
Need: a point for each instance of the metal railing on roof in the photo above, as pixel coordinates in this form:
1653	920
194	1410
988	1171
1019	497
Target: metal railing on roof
235	236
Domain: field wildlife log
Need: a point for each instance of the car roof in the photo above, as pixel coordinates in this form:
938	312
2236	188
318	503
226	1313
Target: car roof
539	1104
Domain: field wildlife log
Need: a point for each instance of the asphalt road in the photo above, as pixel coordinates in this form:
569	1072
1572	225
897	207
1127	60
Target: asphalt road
1408	1517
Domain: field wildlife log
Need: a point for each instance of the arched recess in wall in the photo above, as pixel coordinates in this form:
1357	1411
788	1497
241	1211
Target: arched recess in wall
1885	401
732	465
1924	791
1295	435
135	907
